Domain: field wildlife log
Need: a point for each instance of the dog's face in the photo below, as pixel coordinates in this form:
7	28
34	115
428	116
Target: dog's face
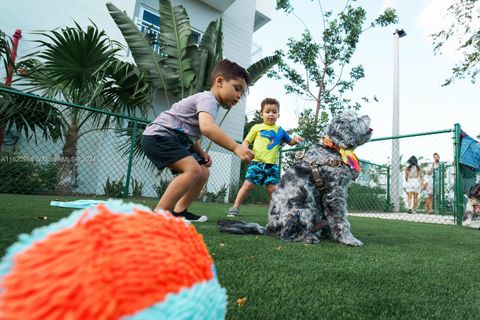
349	130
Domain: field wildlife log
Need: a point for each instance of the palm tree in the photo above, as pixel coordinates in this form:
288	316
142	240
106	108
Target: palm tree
81	67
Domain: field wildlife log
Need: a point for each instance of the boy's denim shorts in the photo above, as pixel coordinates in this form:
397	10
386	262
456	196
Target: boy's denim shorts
262	173
166	149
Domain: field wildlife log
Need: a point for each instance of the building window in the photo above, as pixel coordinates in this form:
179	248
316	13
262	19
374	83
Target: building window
149	22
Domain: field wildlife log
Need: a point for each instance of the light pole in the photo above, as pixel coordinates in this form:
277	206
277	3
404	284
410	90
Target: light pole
395	188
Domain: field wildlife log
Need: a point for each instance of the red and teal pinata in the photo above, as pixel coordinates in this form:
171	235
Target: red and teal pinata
111	261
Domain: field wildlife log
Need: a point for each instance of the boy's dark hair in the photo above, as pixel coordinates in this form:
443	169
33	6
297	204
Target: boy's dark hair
436	154
229	70
269	101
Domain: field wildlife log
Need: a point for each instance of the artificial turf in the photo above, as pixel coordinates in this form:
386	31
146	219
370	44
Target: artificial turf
405	270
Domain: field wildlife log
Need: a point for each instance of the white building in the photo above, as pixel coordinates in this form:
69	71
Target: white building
240	20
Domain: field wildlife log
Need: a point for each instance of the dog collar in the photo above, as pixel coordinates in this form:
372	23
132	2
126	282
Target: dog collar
348	156
327	142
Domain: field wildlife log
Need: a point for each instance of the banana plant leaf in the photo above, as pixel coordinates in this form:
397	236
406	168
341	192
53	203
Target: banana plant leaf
145	57
178	44
259	68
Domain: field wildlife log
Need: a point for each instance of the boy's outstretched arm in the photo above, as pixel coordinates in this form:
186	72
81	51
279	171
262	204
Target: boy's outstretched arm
295	140
212	131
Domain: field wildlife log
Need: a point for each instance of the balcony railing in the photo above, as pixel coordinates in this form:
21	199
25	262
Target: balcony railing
152	31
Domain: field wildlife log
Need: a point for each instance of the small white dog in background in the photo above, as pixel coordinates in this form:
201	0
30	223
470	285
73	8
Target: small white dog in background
471	218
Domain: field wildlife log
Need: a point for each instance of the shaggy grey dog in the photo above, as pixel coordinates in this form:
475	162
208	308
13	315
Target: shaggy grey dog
312	194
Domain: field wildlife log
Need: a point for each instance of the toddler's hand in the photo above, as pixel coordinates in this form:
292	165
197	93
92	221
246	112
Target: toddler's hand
298	139
244	153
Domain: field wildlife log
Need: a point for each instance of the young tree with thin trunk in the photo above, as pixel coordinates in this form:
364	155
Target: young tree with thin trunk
317	66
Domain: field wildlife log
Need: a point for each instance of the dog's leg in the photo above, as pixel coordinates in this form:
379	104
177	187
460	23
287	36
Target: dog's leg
336	213
298	228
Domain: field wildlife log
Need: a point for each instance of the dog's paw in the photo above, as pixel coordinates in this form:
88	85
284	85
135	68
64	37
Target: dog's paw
350	241
308	238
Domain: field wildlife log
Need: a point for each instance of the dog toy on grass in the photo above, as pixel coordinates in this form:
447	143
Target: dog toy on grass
111	261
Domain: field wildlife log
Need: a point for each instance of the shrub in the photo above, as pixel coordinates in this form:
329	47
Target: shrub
22	175
215	197
363	198
137	188
114	189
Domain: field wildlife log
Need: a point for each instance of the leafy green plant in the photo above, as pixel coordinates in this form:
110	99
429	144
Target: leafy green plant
209	196
20	174
215	197
114	188
137	188
363	198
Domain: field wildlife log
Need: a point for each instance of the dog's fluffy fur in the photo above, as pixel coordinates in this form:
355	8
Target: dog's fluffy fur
299	210
471	217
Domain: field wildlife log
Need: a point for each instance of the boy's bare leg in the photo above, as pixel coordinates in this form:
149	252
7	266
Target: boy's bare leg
270	189
243	193
193	193
178	187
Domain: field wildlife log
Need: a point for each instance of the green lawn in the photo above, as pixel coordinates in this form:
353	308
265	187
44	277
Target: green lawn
404	271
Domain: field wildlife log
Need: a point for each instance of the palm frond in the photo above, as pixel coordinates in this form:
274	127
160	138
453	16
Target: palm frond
125	146
29	115
73	56
5	50
127	89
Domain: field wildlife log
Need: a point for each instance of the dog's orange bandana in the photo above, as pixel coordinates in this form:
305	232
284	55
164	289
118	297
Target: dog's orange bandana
348	156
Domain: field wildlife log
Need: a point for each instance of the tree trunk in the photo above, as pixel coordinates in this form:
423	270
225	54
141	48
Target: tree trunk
67	164
315	120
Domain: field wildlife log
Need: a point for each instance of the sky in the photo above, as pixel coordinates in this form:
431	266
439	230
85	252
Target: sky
424	104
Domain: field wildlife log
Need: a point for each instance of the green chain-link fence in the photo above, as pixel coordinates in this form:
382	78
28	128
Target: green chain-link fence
88	161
